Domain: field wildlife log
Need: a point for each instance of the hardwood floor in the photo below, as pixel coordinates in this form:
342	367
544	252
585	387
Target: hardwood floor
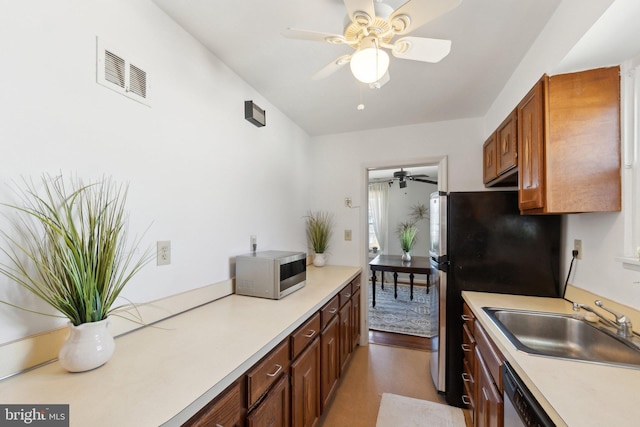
391	363
373	370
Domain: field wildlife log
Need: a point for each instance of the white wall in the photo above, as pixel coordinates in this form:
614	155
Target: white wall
348	154
344	159
199	174
602	234
401	202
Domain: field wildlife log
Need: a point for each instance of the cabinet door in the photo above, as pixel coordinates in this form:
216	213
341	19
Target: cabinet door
531	180
506	144
227	410
344	317
489	169
489	404
305	387
329	361
273	411
355	319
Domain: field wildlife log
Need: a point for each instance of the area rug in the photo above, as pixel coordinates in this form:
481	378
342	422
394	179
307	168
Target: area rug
402	315
400	411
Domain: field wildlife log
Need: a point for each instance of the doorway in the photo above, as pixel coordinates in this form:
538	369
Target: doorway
398	196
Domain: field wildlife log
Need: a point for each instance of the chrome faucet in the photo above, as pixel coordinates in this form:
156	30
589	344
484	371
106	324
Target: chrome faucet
622	323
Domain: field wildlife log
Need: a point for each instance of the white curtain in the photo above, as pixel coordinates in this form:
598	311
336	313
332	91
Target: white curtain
378	208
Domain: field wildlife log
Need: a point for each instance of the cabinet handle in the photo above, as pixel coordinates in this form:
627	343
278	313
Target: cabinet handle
333	311
489	160
276	372
467	318
465	377
311	333
466	400
348	296
466	347
219	425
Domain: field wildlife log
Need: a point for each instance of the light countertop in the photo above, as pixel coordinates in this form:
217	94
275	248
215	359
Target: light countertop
573	393
163	374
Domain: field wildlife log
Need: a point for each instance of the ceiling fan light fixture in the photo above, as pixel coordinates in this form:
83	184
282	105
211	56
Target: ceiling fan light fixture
369	64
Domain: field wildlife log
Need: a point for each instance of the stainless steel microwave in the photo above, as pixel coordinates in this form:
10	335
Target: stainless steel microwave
270	274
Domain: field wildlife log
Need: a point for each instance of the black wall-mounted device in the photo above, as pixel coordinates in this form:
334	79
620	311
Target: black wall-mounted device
255	114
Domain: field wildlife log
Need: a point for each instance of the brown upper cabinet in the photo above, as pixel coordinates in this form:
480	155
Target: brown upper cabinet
575	160
567	132
501	155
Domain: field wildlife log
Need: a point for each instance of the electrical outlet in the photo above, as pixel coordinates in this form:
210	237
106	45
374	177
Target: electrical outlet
577	246
347	235
163	254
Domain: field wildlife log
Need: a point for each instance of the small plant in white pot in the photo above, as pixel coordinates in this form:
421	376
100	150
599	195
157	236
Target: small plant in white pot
68	247
319	228
407	232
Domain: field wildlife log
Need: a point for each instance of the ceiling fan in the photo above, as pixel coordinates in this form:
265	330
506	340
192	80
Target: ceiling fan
402	176
370	27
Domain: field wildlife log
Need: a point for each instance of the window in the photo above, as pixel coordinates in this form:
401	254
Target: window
630	127
373	239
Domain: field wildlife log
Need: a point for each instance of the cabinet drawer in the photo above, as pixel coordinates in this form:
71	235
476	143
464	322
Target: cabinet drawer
304	335
227	410
468	318
491	355
267	372
468	345
355	284
328	312
345	294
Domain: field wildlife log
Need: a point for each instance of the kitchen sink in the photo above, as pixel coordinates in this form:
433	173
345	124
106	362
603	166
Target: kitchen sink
564	336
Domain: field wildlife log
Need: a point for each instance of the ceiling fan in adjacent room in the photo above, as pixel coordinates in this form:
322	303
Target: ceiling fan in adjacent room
370	27
403	176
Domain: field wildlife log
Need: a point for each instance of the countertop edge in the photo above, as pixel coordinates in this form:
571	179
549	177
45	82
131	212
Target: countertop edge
222	385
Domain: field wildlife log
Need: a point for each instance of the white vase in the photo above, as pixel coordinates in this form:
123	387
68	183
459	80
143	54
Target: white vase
319	260
406	256
89	346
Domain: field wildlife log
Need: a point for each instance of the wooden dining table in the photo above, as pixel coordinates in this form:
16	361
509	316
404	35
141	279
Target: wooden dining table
395	264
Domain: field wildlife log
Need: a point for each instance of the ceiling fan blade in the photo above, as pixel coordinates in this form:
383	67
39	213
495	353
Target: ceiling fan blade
314	36
428	181
332	67
421	49
416	13
355	6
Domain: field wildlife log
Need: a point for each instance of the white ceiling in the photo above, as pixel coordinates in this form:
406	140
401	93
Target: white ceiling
489	38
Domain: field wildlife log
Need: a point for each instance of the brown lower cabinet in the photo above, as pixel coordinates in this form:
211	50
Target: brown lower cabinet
482	375
293	384
305	387
274	409
329	365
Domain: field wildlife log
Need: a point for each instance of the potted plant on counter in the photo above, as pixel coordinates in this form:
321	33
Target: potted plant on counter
68	246
407	232
319	228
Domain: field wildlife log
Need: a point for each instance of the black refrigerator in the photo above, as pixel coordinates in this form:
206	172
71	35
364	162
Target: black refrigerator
480	242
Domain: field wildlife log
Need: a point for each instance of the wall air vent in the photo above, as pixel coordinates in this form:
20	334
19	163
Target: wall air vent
116	72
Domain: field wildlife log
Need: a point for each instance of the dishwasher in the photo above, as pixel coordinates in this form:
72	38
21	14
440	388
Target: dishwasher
520	407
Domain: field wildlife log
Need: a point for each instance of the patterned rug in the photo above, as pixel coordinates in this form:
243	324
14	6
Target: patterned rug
402	315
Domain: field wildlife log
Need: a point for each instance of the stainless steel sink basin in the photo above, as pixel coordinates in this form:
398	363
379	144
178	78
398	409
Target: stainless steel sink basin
564	336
